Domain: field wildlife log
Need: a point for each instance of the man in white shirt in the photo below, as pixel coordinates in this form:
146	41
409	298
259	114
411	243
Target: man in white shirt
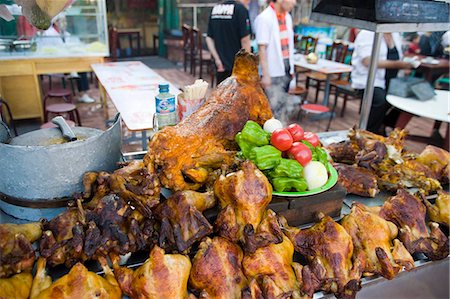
275	38
389	62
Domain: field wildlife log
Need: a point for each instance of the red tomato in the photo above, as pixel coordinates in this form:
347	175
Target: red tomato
281	139
300	152
296	131
311	138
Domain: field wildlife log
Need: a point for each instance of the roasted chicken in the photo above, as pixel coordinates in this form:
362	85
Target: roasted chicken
182	221
393	166
133	182
440	211
185	154
272	268
16	253
331	267
81	234
243	197
162	276
374	240
357	180
79	283
17	286
438	161
217	269
408	213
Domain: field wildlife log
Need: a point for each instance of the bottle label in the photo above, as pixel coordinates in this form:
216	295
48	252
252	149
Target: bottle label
166	111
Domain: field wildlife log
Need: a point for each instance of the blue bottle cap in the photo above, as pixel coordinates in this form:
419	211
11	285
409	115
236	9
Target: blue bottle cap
163	87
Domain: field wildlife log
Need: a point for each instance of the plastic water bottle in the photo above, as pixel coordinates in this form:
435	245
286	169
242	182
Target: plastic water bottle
166	114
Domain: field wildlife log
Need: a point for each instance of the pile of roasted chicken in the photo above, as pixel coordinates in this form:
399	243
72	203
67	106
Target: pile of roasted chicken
367	162
246	251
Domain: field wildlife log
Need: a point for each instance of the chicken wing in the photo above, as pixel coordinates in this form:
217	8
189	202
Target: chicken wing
408	213
162	276
182	154
16	253
440	211
244	196
272	267
79	283
182	221
328	249
217	269
374	237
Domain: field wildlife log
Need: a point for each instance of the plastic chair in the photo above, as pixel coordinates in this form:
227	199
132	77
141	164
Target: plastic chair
64	108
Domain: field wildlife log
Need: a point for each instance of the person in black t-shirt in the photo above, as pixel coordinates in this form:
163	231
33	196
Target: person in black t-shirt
228	32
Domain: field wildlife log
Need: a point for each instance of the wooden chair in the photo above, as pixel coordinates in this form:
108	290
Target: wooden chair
198	54
186	30
304	45
337	52
4	107
343	86
113	36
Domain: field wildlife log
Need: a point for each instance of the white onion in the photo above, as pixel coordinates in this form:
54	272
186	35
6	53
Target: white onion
315	175
272	124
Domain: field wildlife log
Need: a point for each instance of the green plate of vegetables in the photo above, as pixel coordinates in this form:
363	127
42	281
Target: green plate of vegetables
293	160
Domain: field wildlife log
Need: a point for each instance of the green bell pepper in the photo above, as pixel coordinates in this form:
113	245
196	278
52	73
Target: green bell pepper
265	157
244	145
287	168
254	134
283	184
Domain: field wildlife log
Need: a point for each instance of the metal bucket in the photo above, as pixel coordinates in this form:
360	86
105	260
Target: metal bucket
36	174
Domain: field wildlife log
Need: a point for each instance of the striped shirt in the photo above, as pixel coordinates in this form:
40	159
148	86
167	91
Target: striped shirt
284	36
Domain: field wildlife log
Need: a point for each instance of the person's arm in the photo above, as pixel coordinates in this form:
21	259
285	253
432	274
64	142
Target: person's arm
265	78
212	49
245	43
388	64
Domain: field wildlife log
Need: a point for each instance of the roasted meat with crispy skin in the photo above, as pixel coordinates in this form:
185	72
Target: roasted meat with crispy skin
243	197
332	267
440	211
343	152
438	161
81	234
79	283
217	269
182	221
162	276
408	213
272	268
16	253
374	237
17	286
357	180
184	154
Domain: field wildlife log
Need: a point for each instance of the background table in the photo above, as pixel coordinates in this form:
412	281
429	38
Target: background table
132	87
323	66
20	85
437	108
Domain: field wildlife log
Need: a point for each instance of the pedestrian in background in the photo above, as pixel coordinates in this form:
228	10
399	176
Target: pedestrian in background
275	37
228	32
